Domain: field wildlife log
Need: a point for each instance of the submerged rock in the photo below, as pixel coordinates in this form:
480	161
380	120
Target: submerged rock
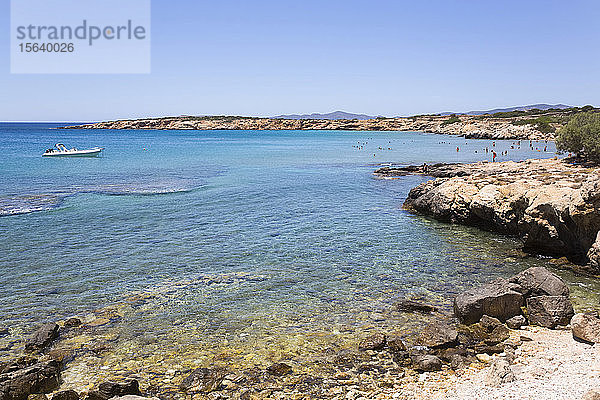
373	342
438	335
549	311
396	345
18	383
72	322
203	380
497	299
43	337
410	306
279	369
108	390
586	327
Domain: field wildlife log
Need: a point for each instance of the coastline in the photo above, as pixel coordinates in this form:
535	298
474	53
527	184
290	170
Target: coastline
473	127
552	205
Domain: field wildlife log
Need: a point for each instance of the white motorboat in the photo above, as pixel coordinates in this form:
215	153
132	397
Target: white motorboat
59	150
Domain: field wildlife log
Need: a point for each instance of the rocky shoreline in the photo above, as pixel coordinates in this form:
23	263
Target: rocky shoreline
485	335
552	205
467	126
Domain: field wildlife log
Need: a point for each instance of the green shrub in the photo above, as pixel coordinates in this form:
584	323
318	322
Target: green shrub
453	119
542	123
581	136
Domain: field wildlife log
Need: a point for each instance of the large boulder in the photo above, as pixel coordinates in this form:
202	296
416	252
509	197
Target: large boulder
499	298
43	337
438	335
549	311
586	327
538	281
18	384
594	253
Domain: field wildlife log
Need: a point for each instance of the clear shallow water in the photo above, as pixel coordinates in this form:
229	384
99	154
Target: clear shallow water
233	245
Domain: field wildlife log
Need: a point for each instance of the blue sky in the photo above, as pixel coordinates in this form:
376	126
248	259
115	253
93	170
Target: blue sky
376	57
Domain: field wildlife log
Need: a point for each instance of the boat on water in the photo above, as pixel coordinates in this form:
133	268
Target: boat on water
59	150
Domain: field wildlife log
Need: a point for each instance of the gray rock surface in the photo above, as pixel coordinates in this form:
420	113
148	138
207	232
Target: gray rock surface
538	281
549	311
427	363
18	383
594	253
500	373
438	335
551	204
516	322
586	327
497	299
43	337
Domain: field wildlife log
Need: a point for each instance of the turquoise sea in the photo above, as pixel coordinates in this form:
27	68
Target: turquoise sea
247	247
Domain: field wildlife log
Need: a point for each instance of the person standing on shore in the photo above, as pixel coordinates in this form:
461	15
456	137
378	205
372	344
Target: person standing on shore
494	156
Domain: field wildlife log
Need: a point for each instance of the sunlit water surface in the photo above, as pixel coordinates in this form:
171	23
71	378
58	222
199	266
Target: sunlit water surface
185	248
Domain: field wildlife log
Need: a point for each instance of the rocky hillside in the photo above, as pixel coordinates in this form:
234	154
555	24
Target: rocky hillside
553	205
468	126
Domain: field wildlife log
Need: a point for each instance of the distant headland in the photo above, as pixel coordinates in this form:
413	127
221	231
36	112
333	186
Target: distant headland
535	122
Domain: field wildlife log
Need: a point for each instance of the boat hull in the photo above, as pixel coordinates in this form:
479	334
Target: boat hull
78	153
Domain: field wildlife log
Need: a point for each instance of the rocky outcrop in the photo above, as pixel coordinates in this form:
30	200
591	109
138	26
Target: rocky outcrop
26	377
553	205
549	311
468	126
586	327
498	299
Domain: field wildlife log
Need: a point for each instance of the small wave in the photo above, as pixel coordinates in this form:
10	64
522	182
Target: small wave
25	204
16	205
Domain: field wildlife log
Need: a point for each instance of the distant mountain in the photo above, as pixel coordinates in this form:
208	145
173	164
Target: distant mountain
520	108
331	115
